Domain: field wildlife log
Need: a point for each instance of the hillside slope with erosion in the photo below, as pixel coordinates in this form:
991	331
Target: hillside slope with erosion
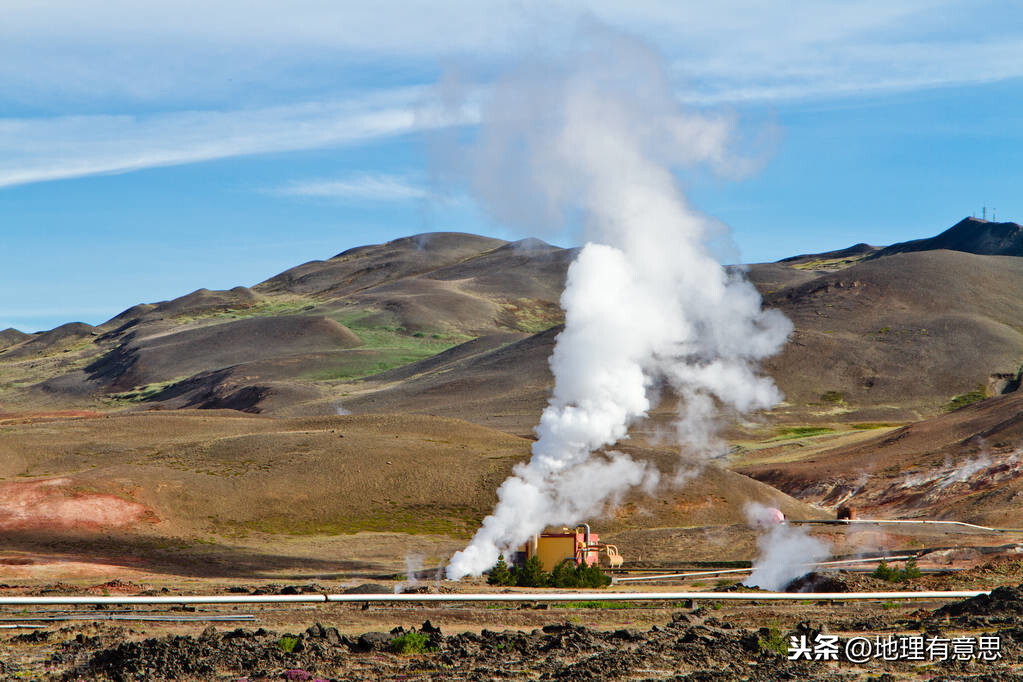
461	325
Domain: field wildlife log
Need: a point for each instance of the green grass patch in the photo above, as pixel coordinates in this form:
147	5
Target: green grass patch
960	401
270	308
771	640
142	393
410	643
833	397
384	347
287	643
793	432
868	426
532	316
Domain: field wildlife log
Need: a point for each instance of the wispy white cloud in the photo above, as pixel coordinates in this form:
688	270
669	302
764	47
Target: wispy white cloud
363	186
727	49
206	81
34	150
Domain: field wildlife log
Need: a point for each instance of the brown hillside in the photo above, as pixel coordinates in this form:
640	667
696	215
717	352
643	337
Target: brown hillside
11	336
971	235
886	339
899	336
59	339
162	357
964	465
188	473
288	341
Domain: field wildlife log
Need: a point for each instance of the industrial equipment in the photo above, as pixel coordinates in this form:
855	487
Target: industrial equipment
579	545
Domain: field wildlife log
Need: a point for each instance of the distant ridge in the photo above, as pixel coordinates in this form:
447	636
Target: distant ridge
11	336
971	235
860	249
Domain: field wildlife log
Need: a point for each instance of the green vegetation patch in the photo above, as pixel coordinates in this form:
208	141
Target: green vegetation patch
974	396
533	316
531	574
793	432
868	426
772	641
270	308
140	394
895	575
287	643
384	347
833	397
410	643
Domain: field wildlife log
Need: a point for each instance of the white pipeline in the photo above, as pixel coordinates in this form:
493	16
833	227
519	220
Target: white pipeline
964	524
488	597
152	601
750	570
649	596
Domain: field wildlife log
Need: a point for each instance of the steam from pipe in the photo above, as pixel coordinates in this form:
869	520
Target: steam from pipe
784	552
594	138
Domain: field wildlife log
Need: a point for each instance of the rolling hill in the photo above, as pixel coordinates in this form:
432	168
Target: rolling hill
461	325
964	465
393	386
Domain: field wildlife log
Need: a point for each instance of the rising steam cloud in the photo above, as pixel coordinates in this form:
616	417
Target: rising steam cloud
784	552
594	138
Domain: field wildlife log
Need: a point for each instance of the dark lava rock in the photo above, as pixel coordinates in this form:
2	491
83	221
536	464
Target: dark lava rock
374	640
368	588
259	654
34	636
1002	601
817	582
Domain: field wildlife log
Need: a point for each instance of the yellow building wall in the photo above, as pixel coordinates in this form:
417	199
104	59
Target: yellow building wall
552	551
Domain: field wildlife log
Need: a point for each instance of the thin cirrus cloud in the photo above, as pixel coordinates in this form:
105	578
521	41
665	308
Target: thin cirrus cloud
365	187
37	150
63	64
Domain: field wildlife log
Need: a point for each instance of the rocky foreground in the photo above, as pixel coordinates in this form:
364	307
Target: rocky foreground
695	645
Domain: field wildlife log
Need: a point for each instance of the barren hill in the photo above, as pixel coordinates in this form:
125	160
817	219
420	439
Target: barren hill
971	235
290	339
964	465
11	336
461	325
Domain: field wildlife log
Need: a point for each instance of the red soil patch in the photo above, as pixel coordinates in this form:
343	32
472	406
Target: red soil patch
54	503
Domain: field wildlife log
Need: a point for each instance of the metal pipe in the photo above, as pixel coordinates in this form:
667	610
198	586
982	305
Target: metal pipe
834	522
209	599
586	541
491	596
750	570
649	596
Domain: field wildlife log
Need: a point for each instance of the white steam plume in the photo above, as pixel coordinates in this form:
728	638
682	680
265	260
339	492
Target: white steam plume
595	137
784	552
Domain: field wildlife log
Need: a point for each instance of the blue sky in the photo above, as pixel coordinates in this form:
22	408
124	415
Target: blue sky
149	149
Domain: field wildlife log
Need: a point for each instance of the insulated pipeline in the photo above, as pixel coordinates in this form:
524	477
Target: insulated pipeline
488	597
